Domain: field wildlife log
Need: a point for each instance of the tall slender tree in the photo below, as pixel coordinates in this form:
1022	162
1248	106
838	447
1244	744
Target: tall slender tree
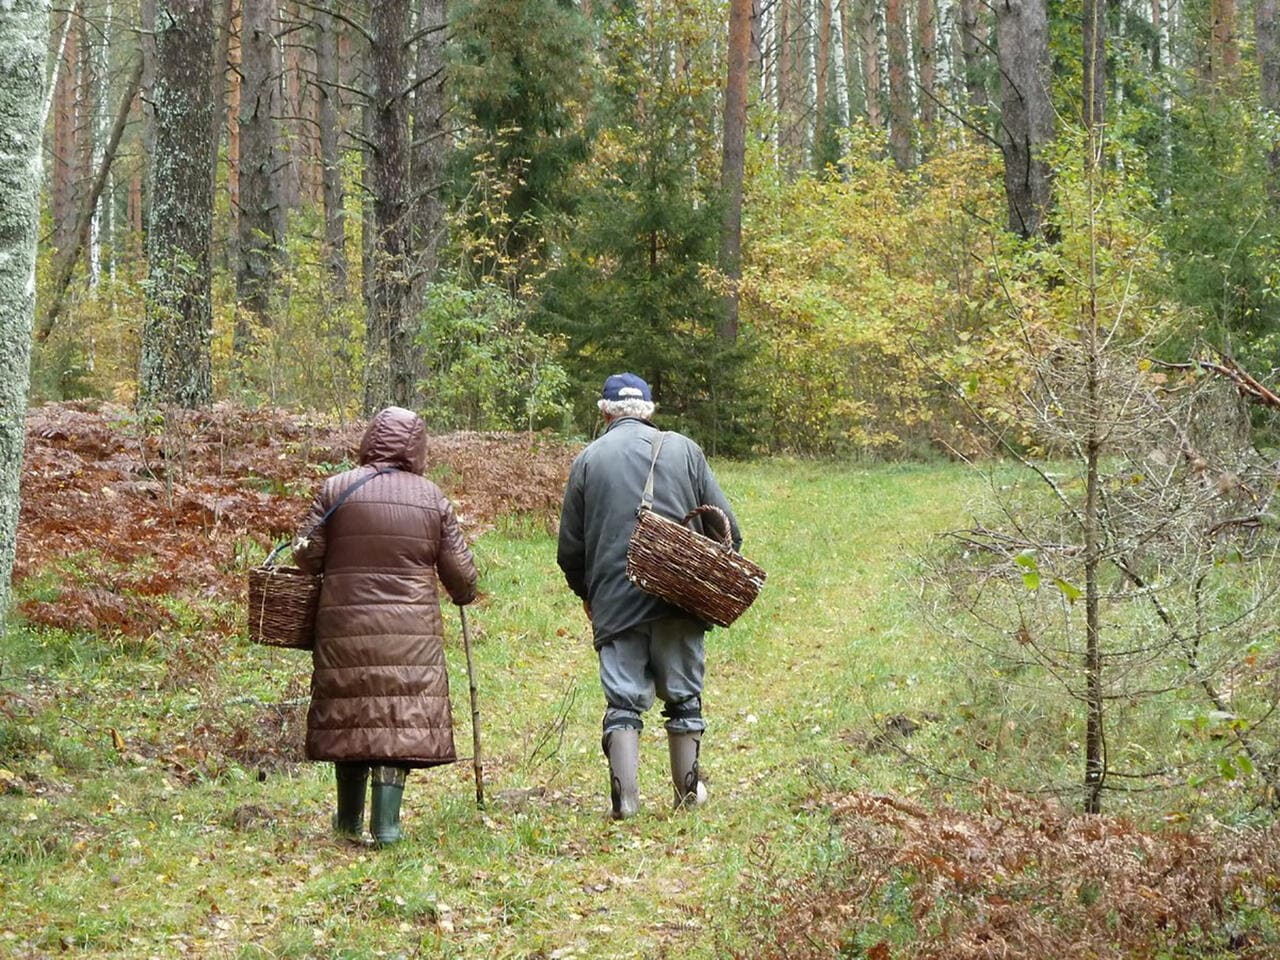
430	144
176	366
1266	31
869	39
262	213
24	41
329	82
390	366
733	159
973	39
1026	111
900	112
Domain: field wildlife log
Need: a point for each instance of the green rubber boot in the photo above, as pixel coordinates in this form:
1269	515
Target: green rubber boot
353	781
388	790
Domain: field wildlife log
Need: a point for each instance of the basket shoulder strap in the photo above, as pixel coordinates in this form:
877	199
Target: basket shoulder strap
346	493
646	499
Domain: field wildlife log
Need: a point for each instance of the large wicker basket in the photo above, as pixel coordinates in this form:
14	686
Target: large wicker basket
702	576
282	606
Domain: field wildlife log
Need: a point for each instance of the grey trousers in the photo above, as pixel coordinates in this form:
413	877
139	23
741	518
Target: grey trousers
665	658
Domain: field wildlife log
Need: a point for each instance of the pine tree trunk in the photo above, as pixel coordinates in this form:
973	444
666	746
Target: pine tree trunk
1094	92
822	70
1026	114
430	145
62	202
973	36
262	213
176	363
1224	50
927	60
784	71
1267	33
869	35
732	160
328	76
24	42
389	341
895	25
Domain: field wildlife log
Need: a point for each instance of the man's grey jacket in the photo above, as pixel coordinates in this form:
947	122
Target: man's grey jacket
599	514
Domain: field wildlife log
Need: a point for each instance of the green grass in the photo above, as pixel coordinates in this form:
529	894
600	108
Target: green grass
128	827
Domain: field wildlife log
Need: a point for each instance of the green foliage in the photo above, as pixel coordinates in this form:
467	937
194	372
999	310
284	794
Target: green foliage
519	70
859	288
485	369
310	353
633	285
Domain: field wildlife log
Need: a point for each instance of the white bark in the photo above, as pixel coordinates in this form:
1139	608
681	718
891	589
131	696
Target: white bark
24	40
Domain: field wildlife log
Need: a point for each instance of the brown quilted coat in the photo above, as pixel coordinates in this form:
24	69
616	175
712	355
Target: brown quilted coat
379	690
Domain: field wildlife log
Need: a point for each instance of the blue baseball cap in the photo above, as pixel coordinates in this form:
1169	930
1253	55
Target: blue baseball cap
626	386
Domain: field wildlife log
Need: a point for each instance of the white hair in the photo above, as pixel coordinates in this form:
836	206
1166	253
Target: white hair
640	409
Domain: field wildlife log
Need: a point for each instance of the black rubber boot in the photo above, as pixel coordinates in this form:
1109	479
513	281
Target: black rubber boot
388	790
684	749
622	747
353	782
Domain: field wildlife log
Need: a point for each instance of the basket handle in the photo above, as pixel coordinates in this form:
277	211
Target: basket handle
726	538
271	557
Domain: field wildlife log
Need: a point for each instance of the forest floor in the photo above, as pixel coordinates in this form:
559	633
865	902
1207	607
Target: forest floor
153	800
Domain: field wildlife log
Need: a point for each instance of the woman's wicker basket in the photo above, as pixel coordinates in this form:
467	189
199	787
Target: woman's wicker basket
695	573
282	605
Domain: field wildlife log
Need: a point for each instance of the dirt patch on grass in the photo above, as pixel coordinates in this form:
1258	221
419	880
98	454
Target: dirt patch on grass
122	516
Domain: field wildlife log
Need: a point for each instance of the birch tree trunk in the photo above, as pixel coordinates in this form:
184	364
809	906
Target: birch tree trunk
176	364
329	77
1026	114
24	42
389	344
262	213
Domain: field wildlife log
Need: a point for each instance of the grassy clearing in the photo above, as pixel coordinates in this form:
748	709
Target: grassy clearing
145	812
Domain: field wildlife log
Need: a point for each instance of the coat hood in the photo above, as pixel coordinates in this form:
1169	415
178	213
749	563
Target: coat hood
398	437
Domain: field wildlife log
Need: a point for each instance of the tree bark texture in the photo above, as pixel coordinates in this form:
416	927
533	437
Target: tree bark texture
733	159
973	37
822	69
329	77
1224	50
176	363
63	200
389	340
262	213
1094	93
430	145
869	38
927	60
900	114
1267	34
1026	115
24	41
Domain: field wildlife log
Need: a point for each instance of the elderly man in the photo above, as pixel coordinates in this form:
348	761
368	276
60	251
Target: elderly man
646	646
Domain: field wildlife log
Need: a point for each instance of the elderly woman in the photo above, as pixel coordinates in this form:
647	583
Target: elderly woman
379	688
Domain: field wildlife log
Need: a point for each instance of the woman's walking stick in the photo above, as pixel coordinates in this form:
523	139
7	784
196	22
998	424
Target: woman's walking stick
475	710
